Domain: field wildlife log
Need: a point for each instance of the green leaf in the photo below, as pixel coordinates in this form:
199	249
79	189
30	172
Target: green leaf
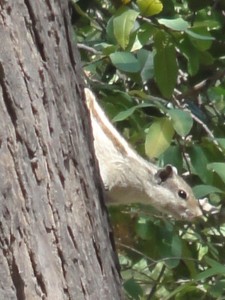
185	288
173	156
199	162
146	32
206	58
215	264
202	251
178	24
169	245
145	59
123	23
123	115
218	288
203	190
218	168
221	142
205	37
149	7
108	50
200	38
134	42
191	54
133	289
174	251
125	62
110	31
159	137
182	121
189	264
165	65
216	269
146	230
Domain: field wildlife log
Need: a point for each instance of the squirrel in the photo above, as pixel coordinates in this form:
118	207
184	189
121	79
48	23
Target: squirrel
129	178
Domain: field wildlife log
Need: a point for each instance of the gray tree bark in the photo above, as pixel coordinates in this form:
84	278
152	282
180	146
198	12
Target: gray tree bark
55	241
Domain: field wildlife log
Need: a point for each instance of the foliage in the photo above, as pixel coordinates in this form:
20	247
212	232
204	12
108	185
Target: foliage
160	65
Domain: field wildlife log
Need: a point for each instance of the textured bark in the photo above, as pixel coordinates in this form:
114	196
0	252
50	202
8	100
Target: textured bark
54	236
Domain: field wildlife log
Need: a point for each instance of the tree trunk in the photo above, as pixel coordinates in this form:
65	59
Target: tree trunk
55	240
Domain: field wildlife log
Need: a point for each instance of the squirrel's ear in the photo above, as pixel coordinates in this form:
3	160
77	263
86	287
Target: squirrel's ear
165	173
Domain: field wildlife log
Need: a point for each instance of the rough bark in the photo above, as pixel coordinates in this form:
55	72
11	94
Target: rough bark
54	236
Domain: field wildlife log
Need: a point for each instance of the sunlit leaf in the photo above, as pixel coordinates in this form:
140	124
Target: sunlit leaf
203	250
149	7
123	23
159	137
182	121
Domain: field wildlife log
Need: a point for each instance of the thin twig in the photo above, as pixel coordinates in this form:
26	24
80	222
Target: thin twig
196	119
203	85
151	294
87	48
137	252
204	126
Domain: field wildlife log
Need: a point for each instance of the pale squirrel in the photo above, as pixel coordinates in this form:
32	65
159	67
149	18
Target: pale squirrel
128	178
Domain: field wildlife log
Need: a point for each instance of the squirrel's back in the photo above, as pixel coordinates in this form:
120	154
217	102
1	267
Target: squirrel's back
128	178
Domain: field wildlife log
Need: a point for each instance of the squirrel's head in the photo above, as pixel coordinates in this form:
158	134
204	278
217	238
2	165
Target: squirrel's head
181	202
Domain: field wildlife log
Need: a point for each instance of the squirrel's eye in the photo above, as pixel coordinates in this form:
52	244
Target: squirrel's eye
182	194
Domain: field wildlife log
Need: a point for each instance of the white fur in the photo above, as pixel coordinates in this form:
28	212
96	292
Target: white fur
128	178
